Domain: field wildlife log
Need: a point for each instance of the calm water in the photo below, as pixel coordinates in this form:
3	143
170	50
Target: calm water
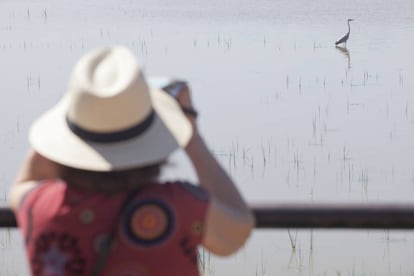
290	116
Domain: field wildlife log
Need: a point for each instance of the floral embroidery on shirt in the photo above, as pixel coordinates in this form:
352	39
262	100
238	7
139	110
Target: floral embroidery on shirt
189	249
197	228
54	261
148	222
57	254
87	216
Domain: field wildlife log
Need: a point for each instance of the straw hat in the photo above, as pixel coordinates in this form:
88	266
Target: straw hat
109	118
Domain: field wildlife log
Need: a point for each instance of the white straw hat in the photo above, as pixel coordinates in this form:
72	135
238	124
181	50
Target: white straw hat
110	119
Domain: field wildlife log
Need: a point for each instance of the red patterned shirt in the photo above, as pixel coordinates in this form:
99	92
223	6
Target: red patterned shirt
157	234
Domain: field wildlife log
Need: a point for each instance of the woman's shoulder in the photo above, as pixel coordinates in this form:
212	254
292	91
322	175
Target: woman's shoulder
30	189
181	188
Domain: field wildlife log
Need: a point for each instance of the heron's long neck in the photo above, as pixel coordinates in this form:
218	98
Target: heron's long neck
349	27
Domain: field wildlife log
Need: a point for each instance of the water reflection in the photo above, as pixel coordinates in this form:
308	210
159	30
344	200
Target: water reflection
345	51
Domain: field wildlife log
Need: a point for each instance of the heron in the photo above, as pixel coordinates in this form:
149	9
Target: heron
344	39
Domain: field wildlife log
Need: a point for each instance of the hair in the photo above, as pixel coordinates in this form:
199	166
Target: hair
109	182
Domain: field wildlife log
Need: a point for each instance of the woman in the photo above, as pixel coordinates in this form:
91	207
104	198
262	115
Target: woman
87	197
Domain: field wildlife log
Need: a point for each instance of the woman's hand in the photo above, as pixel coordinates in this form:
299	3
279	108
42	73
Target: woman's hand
183	97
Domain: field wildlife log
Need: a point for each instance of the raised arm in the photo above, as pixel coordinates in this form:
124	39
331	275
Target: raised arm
229	220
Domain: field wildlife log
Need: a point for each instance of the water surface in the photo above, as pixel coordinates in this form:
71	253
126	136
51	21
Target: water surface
289	115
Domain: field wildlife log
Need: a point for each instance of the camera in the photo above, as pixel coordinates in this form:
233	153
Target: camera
169	85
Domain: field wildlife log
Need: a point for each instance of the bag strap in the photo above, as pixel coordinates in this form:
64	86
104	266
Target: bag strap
105	245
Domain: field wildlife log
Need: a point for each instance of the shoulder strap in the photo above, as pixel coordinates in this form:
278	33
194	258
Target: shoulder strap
105	245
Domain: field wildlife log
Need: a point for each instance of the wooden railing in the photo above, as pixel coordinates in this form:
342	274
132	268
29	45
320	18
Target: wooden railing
315	215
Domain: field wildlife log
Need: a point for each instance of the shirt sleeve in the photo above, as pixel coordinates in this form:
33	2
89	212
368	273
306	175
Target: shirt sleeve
193	204
24	210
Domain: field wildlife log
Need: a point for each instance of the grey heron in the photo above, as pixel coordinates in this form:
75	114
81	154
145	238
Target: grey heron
346	36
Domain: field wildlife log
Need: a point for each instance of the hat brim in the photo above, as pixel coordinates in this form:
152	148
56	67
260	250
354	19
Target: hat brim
52	138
